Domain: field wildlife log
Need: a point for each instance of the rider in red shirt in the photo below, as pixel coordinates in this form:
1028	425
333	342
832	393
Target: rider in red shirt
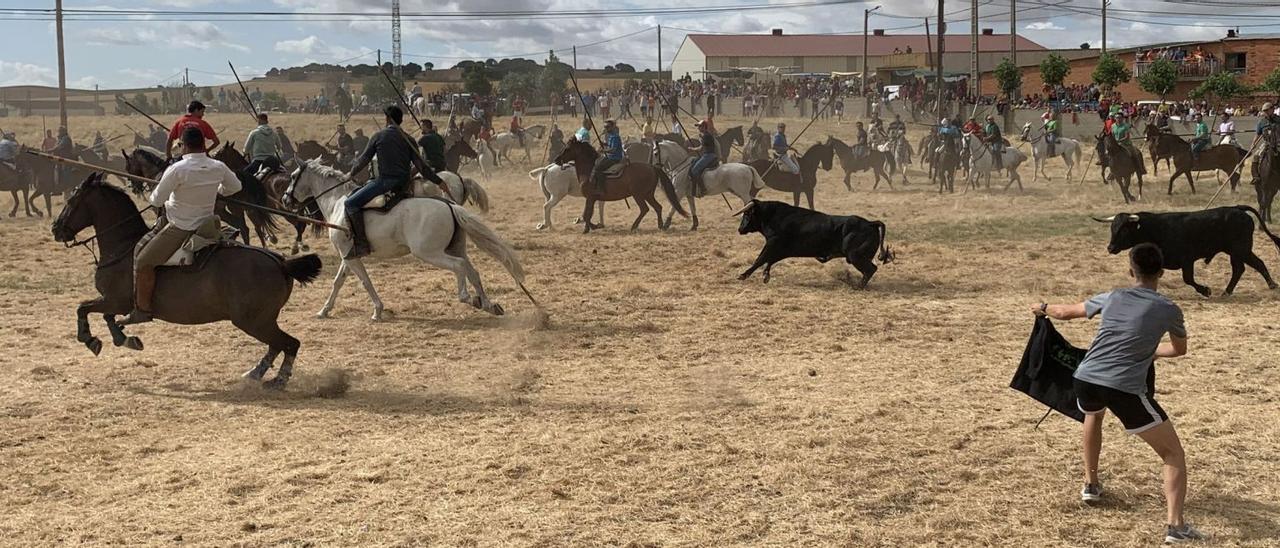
971	126
517	130
193	118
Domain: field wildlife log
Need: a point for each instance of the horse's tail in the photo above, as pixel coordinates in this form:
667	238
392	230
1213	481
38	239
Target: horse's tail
489	242
669	189
475	194
757	182
1079	151
304	268
536	174
253	191
1262	223
893	163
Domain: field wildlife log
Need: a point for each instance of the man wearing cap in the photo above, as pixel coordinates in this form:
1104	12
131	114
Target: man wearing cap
994	141
194	118
780	149
188	192
397	155
706	146
609	156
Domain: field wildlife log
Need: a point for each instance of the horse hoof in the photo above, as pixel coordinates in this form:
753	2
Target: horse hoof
133	343
540	227
306	247
477	303
496	309
322	315
254	374
276	383
94	345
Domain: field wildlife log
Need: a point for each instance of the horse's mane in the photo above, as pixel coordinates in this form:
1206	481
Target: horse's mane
837	144
150	154
323	170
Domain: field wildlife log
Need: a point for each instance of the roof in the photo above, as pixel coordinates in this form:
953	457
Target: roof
840	45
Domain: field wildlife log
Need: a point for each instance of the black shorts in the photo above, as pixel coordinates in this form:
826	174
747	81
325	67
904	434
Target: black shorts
1138	413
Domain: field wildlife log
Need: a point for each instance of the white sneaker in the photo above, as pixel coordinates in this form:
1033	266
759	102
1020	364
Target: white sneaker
1091	492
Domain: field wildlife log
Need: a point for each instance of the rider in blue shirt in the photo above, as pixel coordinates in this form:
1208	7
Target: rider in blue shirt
610	156
706	147
780	148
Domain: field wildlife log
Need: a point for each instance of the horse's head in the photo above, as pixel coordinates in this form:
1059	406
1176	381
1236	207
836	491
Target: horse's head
463	149
819	155
1026	131
76	215
291	196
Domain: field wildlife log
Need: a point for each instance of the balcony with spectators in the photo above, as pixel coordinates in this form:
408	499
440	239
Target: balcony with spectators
1191	63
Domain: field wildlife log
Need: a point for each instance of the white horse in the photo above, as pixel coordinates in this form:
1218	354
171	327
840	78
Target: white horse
505	141
433	230
556	183
739	179
981	161
1069	149
420	105
486	158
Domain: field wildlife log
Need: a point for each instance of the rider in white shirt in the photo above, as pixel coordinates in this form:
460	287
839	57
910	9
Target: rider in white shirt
1227	129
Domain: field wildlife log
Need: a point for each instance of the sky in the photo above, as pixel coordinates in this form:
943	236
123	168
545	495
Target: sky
136	49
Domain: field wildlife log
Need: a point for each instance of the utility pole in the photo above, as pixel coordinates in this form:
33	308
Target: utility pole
62	72
974	87
942	34
1104	26
928	42
866	97
575	58
186	77
379	58
1013	32
395	38
659	52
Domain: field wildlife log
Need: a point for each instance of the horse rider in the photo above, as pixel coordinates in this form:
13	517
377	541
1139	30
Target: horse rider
477	113
49	141
1201	139
360	140
860	140
706	146
995	143
876	126
555	142
583	135
947	135
193	118
517	130
188	191
518	107
432	144
610	155
64	148
286	146
897	128
1227	130
1051	131
262	147
1122	131
99	145
780	149
397	156
973	127
346	146
9	149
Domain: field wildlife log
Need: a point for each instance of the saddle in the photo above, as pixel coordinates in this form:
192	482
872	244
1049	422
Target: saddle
195	252
615	171
417	188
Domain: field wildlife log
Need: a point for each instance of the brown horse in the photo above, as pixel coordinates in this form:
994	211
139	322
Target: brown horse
1266	170
310	149
1223	158
637	181
818	155
275	185
245	285
873	160
1122	165
15	179
49	179
460	149
1152	133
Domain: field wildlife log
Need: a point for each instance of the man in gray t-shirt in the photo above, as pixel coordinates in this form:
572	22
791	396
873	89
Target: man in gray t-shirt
1114	373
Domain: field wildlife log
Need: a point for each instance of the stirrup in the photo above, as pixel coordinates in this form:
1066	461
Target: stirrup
136	316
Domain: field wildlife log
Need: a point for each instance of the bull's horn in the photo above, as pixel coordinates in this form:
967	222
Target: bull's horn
744	208
1106	220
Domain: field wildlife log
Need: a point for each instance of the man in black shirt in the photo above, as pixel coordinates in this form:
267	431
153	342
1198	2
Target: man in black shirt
397	156
432	144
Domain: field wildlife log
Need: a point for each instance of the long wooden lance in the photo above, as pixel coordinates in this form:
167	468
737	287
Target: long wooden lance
573	78
400	97
662	98
247	99
147	116
128	175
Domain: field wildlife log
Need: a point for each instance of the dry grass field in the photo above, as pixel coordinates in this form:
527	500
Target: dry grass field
665	403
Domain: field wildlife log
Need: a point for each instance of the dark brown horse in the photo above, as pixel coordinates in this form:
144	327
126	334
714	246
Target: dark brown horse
1223	158
1122	165
460	149
15	179
146	162
1266	170
275	185
309	150
818	155
1152	132
637	181
245	285
873	160
49	179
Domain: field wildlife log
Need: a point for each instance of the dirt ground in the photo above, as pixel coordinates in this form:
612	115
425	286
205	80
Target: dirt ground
665	403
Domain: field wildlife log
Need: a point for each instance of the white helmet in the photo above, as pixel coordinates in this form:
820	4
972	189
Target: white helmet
945	122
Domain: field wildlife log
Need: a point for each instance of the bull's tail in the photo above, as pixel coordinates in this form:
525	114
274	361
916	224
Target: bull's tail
669	189
475	194
1262	223
489	242
886	256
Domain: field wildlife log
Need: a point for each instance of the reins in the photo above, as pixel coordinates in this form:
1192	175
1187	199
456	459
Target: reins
96	233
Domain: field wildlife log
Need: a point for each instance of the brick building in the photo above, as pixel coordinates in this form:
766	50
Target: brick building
1250	57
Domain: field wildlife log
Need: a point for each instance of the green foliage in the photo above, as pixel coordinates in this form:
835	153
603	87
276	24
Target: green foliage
1008	77
553	78
143	104
1160	78
1111	72
1223	86
272	100
518	83
379	92
1271	83
1054	69
476	80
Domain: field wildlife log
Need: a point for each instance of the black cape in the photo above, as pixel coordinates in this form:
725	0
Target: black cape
1046	370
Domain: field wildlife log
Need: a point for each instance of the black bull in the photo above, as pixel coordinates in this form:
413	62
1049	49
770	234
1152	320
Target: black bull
791	231
1186	237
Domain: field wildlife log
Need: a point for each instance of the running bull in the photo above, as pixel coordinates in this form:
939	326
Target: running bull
1188	236
796	232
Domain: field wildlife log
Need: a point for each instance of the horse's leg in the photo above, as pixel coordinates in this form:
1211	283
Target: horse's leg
338	280
1174	178
1192	182
268	331
118	337
644	210
552	200
847	185
795	198
808	193
297	241
14	212
657	210
264	365
358	268
586	215
83	334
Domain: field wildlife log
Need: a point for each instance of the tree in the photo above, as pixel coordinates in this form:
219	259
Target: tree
518	83
1110	72
411	69
272	100
476	81
551	81
379	92
1084	45
1272	83
1054	69
1222	86
1009	78
1160	78
429	66
623	67
140	101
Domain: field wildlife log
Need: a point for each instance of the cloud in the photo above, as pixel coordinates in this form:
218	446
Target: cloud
1044	25
314	46
19	73
201	35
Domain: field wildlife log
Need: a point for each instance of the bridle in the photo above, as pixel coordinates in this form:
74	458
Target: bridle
87	242
293	181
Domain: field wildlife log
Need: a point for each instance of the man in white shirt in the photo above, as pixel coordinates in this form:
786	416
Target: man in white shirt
1227	130
188	192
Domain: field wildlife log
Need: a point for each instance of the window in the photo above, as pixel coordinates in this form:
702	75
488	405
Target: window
1235	62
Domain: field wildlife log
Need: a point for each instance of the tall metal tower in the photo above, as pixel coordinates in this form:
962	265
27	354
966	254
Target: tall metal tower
395	36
